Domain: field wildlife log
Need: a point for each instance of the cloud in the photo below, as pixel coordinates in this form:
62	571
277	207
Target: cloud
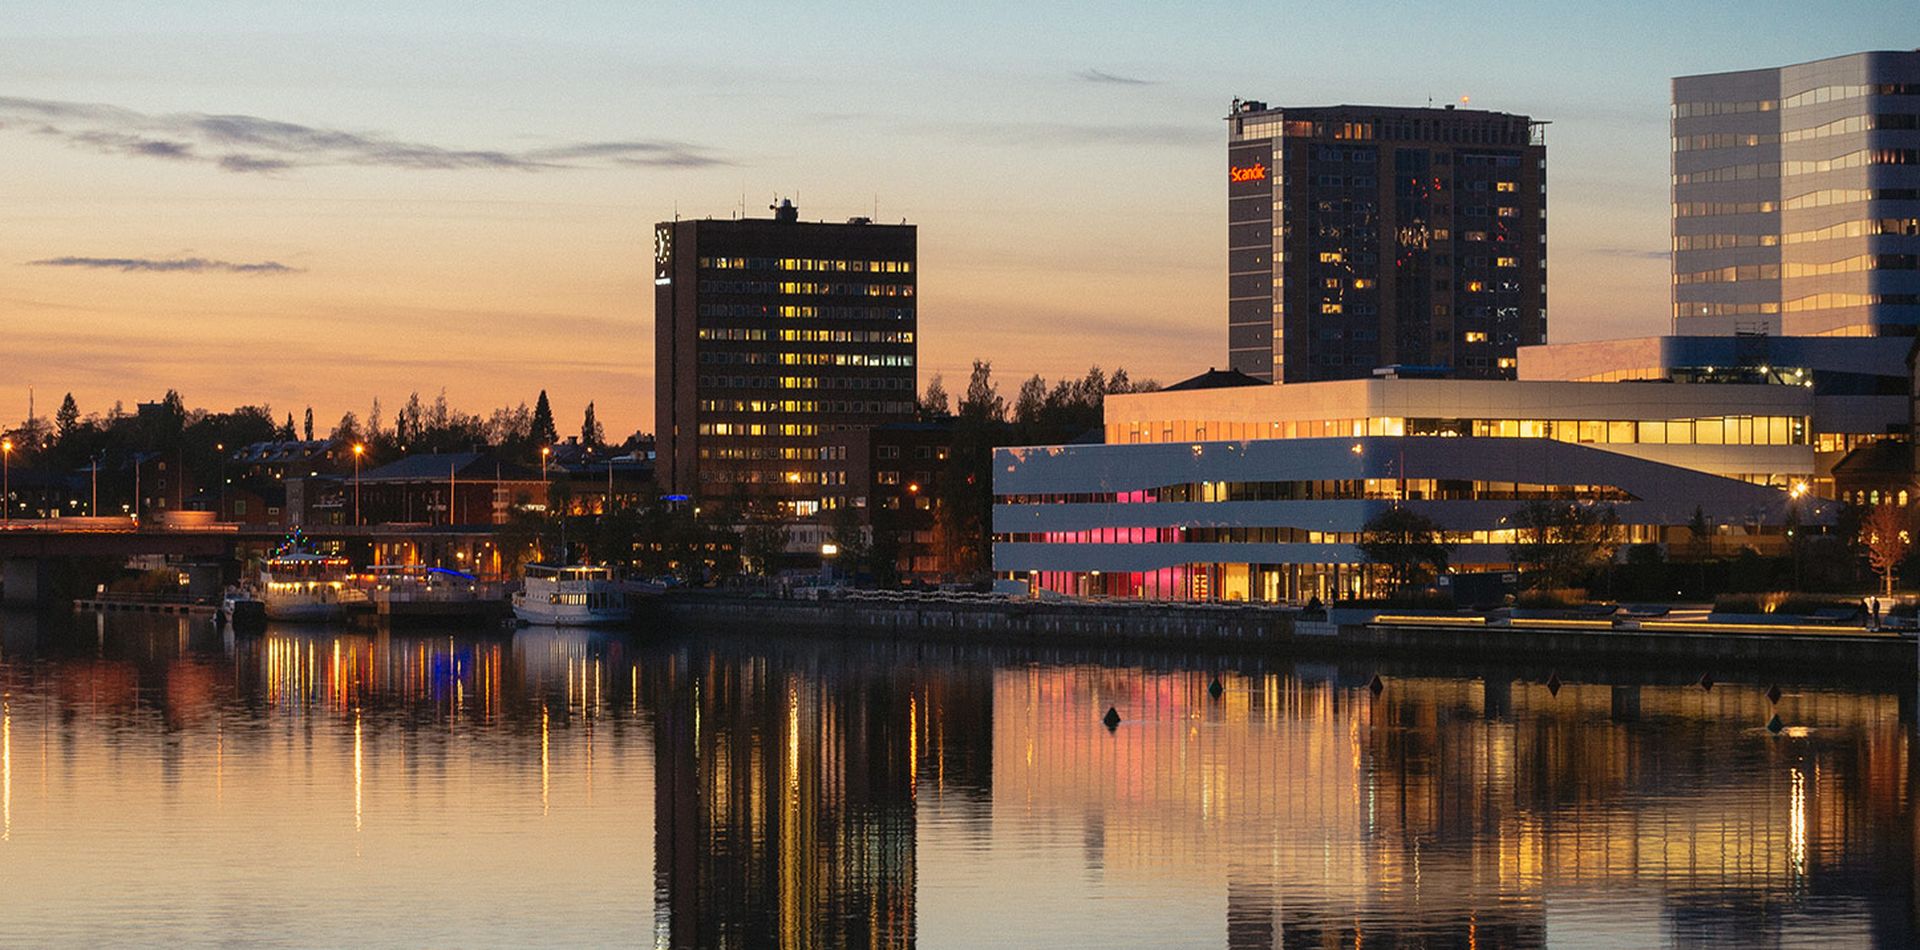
250	144
1102	76
1632	252
1073	134
176	265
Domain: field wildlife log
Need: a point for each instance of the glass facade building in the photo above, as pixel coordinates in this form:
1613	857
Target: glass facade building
1361	237
1796	199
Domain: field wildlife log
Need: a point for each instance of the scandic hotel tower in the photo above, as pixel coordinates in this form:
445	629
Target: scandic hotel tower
1362	236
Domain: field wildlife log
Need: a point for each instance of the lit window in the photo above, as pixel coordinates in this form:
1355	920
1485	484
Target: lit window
1476	336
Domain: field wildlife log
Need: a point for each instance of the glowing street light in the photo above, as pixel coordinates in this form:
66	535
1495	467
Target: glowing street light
359	449
6	480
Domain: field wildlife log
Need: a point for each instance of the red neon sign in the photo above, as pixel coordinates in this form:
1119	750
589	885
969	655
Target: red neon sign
1253	172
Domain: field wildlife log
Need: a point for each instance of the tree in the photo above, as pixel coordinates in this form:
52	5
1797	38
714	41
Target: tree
849	536
286	432
1557	542
543	431
761	545
934	403
1031	401
983	402
1409	545
309	426
591	434
347	432
1887	536
67	419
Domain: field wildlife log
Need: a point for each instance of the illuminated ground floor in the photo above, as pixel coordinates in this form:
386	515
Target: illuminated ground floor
1280	521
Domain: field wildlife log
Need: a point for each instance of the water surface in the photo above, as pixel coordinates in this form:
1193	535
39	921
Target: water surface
162	783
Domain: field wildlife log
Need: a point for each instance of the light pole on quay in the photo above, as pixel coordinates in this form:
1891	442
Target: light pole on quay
6	480
359	449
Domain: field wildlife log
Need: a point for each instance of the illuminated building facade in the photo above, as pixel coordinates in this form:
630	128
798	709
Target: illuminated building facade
1361	237
769	334
1261	493
1859	384
1796	198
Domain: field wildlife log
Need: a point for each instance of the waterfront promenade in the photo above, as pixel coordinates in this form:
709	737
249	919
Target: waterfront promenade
1242	628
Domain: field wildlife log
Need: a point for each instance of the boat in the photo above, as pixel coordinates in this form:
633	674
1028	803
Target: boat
571	595
307	587
411	591
242	611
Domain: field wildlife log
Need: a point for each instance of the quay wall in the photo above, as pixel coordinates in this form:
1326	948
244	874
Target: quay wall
1257	630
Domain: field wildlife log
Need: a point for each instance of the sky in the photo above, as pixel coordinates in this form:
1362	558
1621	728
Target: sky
303	204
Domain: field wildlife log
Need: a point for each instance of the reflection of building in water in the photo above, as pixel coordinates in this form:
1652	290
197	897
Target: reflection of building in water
786	793
1330	815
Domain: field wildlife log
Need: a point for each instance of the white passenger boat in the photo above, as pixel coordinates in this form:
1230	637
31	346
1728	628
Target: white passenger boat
573	595
307	587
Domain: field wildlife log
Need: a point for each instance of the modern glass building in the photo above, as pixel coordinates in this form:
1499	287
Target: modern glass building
1364	236
769	335
1261	492
1796	198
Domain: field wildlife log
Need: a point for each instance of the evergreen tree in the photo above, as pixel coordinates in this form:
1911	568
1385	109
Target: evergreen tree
309	429
286	432
591	434
544	432
67	419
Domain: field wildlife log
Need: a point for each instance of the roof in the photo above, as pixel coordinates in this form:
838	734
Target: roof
1216	379
473	466
1879	458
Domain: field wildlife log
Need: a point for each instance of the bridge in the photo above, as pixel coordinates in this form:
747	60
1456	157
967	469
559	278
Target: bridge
31	551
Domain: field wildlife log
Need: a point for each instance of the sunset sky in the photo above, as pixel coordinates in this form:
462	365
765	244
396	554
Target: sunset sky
317	204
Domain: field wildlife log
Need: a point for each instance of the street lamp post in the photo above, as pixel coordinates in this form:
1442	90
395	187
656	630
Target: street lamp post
6	479
359	449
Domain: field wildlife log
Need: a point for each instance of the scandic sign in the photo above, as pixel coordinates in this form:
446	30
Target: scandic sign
1253	172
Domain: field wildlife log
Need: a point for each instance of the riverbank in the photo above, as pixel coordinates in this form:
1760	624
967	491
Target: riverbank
1250	629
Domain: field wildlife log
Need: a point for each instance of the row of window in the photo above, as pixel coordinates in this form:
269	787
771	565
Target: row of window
1815	96
1373	489
1872	227
805	382
804	312
1799	305
804	287
806	263
1850	265
1850	125
1714	430
1751	172
1822	198
805	336
802	405
869	360
758	428
1261	535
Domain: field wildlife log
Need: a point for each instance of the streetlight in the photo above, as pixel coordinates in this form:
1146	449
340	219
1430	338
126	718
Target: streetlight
359	449
6	479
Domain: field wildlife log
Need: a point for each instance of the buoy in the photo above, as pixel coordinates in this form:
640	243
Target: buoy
1112	718
1553	683
1773	695
1214	688
1774	725
1706	681
1375	686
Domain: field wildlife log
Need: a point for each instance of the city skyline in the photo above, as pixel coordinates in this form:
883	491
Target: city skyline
244	208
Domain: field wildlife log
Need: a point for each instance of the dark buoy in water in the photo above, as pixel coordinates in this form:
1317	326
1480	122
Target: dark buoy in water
1706	681
1374	685
1553	683
1214	688
1773	695
1774	725
1112	719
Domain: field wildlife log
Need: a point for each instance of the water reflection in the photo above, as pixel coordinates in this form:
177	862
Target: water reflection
333	786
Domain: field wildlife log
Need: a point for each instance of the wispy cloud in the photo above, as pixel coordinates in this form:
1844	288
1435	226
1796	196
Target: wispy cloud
1102	76
1650	254
174	265
250	144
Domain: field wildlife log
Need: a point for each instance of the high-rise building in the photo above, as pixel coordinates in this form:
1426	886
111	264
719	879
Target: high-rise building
1361	237
770	333
1796	198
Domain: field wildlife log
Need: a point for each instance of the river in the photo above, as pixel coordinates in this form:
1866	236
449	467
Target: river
164	783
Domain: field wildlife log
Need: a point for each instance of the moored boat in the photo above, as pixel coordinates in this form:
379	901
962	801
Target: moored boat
572	595
309	587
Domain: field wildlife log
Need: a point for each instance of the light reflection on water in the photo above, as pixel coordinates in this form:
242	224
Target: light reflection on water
161	783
